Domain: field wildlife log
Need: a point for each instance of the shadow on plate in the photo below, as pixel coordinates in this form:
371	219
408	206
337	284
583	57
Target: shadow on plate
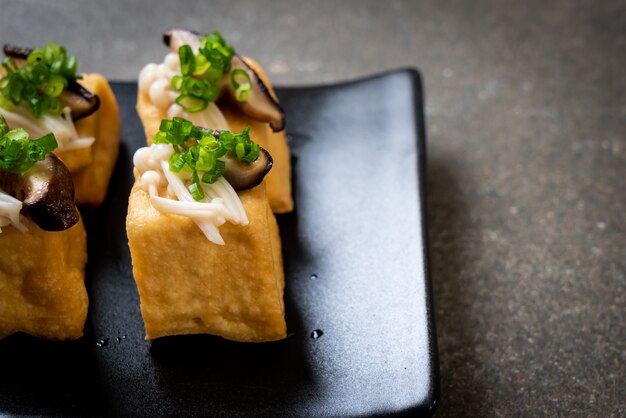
46	377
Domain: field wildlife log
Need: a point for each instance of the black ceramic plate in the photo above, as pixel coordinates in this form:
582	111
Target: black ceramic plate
356	271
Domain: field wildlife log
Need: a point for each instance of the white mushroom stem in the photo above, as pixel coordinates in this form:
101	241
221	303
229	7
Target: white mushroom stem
62	126
231	200
10	208
155	81
220	204
182	193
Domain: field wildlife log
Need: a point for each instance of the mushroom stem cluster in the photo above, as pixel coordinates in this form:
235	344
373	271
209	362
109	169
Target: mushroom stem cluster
155	80
62	126
169	193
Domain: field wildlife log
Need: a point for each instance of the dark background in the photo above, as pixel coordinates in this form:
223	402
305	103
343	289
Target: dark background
526	125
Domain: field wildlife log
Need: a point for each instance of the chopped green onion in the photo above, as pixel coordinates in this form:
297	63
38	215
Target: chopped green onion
55	86
187	60
40	81
198	151
243	89
4	126
241	145
211	177
187	102
177	82
176	162
198	83
18	153
195	188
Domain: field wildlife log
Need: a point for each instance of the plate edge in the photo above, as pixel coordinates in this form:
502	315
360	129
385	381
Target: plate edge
420	129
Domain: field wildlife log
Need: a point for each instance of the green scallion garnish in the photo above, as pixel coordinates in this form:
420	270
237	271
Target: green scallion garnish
243	88
18	153
40	81
199	150
200	74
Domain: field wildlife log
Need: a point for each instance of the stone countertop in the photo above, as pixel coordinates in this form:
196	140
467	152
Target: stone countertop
526	121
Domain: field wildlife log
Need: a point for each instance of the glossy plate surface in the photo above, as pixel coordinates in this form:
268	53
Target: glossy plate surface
356	271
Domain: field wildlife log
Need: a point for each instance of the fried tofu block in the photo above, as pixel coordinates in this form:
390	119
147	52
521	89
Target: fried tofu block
42	282
189	285
92	167
278	179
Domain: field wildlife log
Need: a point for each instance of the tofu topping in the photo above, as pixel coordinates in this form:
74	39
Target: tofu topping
62	126
169	193
155	80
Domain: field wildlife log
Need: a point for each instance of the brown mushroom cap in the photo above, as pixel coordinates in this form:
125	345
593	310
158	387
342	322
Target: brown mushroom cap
259	105
46	191
16	52
81	101
175	38
242	175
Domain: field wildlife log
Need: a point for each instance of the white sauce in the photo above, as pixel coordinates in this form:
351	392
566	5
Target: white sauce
169	193
61	126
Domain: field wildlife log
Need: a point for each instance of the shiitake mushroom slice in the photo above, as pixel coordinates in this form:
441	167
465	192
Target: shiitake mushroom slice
81	101
46	191
241	175
244	176
259	105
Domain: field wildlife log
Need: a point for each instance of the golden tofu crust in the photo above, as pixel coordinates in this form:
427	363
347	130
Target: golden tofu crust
92	167
42	282
189	285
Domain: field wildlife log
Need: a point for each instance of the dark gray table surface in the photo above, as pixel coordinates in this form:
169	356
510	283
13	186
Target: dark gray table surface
526	121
